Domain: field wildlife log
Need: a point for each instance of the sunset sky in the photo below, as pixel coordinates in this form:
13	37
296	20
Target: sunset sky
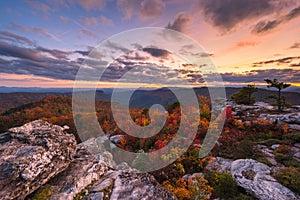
43	43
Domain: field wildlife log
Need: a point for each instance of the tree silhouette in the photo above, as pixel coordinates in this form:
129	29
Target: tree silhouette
280	86
244	96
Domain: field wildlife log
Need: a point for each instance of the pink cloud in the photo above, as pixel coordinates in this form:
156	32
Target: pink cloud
106	21
89	21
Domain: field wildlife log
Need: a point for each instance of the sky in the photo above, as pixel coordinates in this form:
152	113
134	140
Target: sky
44	43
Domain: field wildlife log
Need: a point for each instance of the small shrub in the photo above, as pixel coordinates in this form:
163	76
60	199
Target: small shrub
192	188
262	159
283	154
225	187
283	149
292	137
270	142
292	163
244	149
43	194
289	177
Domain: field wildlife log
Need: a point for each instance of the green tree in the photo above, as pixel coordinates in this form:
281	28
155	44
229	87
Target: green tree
280	100
244	96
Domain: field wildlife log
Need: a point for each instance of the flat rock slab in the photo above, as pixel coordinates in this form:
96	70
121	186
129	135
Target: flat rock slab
256	179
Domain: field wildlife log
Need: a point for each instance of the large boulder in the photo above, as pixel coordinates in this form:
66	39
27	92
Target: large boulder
84	170
256	179
30	155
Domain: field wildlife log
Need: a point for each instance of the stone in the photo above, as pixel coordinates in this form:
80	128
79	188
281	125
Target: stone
97	196
101	185
274	146
191	176
255	178
31	155
268	154
297	155
297	145
138	186
291	118
263	105
116	139
5	137
219	164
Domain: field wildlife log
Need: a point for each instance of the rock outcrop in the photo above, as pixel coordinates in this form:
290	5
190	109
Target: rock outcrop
256	179
40	161
32	154
261	110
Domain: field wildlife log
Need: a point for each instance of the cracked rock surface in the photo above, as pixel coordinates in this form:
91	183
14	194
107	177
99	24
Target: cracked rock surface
32	154
41	161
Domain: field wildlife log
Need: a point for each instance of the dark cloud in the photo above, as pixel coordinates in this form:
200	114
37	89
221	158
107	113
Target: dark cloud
295	65
188	47
226	14
296	45
286	75
115	72
277	61
179	23
19	52
50	68
84	53
195	78
204	54
54	52
293	14
188	65
144	72
137	46
157	52
115	46
9	36
4	62
38	61
136	56
265	26
185	50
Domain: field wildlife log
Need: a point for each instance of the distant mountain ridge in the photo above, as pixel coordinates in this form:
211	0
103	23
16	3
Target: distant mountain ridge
140	99
4	89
